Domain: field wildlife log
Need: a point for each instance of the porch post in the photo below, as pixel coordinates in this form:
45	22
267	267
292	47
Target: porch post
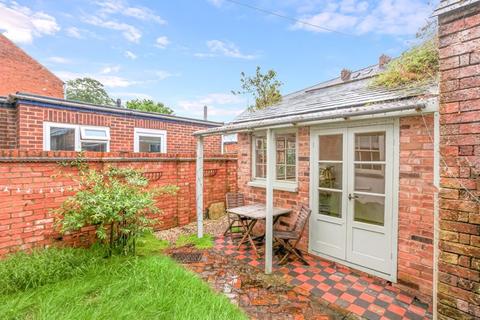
199	186
269	200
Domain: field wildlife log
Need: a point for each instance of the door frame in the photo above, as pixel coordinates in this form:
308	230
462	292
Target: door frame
314	131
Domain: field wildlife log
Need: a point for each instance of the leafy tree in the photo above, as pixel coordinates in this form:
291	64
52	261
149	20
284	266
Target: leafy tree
117	201
265	88
88	90
149	106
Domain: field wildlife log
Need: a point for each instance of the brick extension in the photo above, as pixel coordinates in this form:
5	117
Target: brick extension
25	218
459	261
415	211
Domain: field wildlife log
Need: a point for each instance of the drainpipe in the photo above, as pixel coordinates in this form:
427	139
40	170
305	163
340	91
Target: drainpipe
436	207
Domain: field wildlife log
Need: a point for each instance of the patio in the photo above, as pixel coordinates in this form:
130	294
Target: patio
339	287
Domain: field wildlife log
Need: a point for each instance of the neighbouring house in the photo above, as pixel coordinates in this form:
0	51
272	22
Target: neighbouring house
20	72
51	124
229	144
34	116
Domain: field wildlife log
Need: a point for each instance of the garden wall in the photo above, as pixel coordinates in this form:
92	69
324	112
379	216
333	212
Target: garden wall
33	183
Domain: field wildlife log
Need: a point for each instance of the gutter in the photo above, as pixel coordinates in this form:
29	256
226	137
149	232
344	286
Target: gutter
52	102
302	119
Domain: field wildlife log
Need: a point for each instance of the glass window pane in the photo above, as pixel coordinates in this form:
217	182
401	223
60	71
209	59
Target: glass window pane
281	157
330	175
371	180
291	173
291	142
94	146
260	143
331	147
291	159
330	203
260	171
370	146
281	172
150	144
369	209
280	143
95	133
260	157
62	139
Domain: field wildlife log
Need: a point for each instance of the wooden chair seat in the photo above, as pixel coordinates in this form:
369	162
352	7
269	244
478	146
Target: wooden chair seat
285	234
236	223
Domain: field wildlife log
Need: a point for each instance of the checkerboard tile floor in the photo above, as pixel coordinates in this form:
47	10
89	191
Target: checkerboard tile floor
338	285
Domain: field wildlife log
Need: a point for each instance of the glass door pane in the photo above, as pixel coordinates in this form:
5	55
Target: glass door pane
330	166
369	178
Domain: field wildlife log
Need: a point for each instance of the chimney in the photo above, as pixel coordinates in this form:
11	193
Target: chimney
383	60
205	113
345	74
119	103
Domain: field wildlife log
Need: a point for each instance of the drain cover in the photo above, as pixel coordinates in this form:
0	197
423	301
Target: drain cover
187	257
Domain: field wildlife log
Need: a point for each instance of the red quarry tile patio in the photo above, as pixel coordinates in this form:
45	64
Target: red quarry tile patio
338	285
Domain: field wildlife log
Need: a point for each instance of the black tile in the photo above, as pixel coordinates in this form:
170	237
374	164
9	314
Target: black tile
309	274
354	292
313	282
295	282
413	316
381	303
329	282
361	303
370	315
317	292
342	303
336	292
392	316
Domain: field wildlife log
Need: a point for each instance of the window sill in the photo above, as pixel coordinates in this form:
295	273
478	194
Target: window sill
277	185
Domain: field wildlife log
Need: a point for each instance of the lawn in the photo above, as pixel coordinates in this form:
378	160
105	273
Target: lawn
149	286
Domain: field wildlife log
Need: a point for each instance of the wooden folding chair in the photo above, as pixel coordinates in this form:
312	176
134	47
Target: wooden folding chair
236	224
289	239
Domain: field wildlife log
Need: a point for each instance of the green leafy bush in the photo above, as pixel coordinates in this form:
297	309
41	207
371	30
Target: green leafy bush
117	201
21	271
415	66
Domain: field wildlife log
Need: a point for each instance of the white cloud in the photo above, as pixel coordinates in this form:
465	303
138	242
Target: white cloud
219	104
216	3
130	32
110	69
162	74
162	42
122	7
106	80
131	95
22	25
392	17
130	55
59	60
74	32
222	48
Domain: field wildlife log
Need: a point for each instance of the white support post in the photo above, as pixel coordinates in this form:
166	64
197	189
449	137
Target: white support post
269	200
199	186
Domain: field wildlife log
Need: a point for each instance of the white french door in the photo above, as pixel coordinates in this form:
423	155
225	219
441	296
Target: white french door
352	174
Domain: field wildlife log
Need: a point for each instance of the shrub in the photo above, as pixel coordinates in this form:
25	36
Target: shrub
117	202
415	66
21	271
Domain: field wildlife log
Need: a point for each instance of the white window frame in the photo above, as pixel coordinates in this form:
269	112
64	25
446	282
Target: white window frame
78	136
291	186
149	133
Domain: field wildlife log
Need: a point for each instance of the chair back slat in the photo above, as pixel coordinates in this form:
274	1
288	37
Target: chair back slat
234	200
302	218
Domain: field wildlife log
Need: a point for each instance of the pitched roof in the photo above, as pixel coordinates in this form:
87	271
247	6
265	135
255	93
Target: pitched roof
337	95
446	6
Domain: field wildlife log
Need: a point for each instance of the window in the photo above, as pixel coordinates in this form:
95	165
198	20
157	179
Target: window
149	140
285	157
69	137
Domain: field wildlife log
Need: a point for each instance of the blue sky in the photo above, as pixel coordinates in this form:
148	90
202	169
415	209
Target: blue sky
188	53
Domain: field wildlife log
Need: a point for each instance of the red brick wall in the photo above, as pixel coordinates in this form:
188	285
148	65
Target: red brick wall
415	234
459	262
415	207
25	219
230	148
20	72
179	134
8	128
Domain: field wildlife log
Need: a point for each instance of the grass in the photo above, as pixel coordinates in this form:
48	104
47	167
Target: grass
200	243
151	286
418	65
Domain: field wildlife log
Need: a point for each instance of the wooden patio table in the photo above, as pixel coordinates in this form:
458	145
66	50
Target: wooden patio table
253	213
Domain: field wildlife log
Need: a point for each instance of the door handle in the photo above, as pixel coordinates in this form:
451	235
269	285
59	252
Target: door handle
350	197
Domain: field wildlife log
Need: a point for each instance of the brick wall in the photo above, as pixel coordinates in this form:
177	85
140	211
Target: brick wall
415	233
8	127
179	134
20	72
415	207
459	262
25	219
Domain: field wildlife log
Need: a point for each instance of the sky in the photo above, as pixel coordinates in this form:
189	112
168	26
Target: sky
190	53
